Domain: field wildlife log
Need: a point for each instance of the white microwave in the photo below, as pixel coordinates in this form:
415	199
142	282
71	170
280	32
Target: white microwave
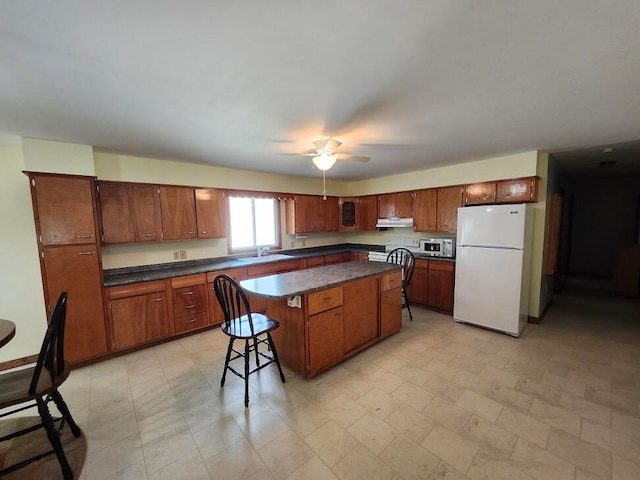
438	247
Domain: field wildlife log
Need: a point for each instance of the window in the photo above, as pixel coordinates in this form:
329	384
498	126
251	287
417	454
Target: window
253	222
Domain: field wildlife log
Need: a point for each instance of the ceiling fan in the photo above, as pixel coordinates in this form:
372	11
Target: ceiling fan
325	157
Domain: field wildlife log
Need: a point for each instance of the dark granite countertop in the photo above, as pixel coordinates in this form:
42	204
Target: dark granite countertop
161	271
284	285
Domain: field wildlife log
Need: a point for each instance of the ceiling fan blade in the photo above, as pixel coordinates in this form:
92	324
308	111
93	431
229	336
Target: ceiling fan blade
327	144
357	158
314	154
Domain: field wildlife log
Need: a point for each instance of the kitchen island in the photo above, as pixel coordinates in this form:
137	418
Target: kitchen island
330	313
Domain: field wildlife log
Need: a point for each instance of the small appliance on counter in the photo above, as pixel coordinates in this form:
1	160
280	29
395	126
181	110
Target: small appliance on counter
438	247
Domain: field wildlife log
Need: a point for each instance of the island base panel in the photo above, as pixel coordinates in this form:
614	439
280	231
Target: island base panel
289	338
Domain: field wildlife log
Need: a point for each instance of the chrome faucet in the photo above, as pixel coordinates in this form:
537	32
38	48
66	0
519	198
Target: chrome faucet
261	250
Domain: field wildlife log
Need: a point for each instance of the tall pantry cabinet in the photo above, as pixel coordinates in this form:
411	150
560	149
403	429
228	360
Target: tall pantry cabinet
64	208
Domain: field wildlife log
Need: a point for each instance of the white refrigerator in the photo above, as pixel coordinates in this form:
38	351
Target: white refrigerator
493	266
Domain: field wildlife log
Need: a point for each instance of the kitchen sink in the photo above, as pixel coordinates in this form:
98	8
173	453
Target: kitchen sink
267	258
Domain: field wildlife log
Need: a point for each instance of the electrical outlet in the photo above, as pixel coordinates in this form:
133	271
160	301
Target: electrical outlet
304	243
176	255
183	254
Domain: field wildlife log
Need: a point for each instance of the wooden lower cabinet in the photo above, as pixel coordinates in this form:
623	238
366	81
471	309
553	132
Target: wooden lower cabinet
76	269
390	311
190	309
139	314
326	339
440	286
417	289
361	308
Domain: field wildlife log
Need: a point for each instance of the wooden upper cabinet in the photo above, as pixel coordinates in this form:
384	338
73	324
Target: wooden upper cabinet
449	200
178	209
367	212
329	214
64	208
210	213
348	213
395	205
130	212
480	193
424	210
310	213
517	190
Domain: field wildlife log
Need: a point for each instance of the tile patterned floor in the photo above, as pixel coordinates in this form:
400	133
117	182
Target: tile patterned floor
439	400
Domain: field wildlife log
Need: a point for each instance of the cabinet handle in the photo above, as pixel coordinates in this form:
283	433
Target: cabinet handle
85	253
191	321
337	315
148	235
84	236
326	299
193	305
190	292
158	299
504	196
189	233
203	232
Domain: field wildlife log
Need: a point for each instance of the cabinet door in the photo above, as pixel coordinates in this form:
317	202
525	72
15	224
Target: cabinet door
117	220
298	212
517	191
395	205
417	289
367	212
64	209
145	209
440	286
210	212
348	214
449	200
424	210
129	321
157	316
178	209
76	269
480	193
325	334
390	311
360	312
329	214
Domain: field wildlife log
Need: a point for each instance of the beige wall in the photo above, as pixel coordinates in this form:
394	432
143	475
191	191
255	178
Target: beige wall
57	157
537	301
21	296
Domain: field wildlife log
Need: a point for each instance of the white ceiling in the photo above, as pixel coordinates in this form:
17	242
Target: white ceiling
412	84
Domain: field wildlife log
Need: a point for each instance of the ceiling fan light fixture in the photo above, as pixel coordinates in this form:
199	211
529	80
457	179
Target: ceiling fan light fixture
324	161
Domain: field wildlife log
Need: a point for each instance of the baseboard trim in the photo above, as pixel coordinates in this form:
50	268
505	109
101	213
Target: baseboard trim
18	362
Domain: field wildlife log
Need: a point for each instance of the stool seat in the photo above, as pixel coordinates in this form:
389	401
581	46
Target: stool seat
242	328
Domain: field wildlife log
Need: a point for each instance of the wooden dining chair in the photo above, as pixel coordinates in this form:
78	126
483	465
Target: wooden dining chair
37	386
404	257
241	324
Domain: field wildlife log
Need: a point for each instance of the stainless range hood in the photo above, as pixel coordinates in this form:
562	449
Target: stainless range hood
395	223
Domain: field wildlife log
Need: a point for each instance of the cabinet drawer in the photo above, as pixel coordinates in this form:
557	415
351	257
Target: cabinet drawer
334	258
324	300
196	305
190	322
391	280
442	266
191	280
315	262
133	289
271	268
189	294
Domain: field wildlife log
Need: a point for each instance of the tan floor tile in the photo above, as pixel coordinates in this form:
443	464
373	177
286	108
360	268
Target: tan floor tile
587	409
413	395
524	370
626	424
556	417
539	463
373	432
161	423
314	469
444	388
610	439
285	454
411	423
441	368
524	426
447	414
584	475
589	379
361	463
480	405
491	439
344	411
217	437
114	458
490	359
472	381
384	380
389	362
486	467
588	456
263	428
467	364
511	398
445	472
379	402
499	376
110	432
239	461
305	419
331	443
548	393
624	469
416	375
189	467
353	386
409	459
137	471
454	449
166	449
613	400
569	385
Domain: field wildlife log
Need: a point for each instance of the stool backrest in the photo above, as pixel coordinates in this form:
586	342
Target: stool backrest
51	356
234	303
404	258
